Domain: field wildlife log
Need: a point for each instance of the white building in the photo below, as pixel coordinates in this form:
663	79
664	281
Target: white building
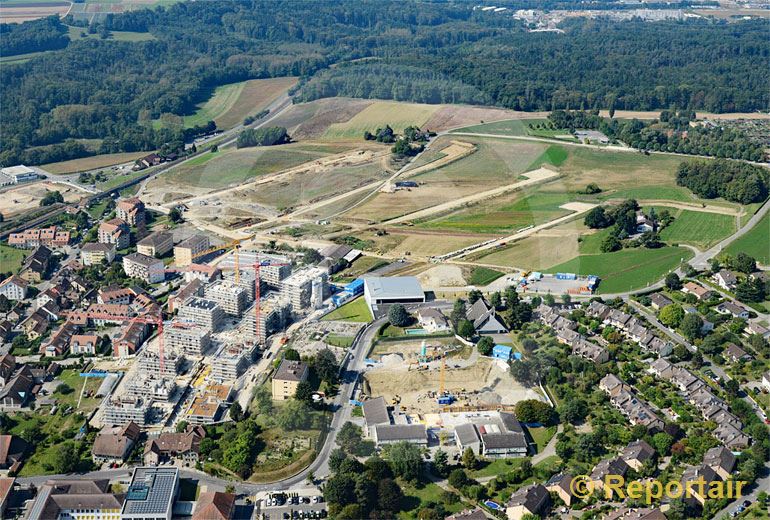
396	289
151	494
14	288
147	268
17	174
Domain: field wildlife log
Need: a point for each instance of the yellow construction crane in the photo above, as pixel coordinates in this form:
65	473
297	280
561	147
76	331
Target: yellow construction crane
235	245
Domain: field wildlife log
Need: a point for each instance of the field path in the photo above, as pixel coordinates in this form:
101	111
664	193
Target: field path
533	177
708	208
455	151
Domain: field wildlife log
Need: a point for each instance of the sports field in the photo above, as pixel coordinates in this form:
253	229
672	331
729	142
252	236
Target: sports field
381	113
697	228
755	243
628	269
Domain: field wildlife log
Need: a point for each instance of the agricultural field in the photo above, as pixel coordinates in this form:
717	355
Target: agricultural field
18	11
517	127
230	104
628	269
91	163
378	114
697	228
755	242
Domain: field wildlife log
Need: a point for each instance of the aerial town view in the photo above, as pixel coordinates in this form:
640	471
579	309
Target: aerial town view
357	259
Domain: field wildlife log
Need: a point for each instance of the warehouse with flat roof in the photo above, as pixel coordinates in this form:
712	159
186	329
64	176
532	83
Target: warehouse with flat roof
395	289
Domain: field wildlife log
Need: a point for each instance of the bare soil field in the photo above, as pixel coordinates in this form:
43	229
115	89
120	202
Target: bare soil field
443	276
450	153
457	116
26	197
486	381
255	95
311	120
91	163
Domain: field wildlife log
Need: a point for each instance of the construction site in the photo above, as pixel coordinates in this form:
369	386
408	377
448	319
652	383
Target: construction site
435	374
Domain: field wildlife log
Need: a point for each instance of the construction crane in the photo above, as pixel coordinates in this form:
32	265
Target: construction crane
444	397
235	245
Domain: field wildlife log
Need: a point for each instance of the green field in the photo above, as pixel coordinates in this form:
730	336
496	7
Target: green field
755	243
514	127
381	113
484	276
628	269
11	258
697	228
222	169
80	33
221	101
356	311
507	214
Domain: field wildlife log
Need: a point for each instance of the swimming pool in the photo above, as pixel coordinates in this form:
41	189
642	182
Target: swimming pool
416	332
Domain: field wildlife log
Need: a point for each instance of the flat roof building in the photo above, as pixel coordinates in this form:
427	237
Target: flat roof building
230	362
124	410
231	297
151	494
156	244
206	313
299	291
189	339
185	251
393	433
146	268
396	289
96	253
287	378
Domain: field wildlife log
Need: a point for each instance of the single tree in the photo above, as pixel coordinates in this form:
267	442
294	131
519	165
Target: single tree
469	459
398	316
465	329
304	392
485	346
405	460
673	282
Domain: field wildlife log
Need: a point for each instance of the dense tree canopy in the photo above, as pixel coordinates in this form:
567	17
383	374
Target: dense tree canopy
735	181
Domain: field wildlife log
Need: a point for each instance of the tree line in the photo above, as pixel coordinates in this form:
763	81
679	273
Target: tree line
732	180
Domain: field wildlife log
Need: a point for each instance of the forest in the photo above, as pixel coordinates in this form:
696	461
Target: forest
734	181
430	52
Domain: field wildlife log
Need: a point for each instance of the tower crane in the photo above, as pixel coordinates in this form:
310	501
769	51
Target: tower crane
235	245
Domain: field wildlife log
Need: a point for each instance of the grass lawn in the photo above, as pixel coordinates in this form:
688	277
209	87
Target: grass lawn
417	497
221	169
91	163
356	311
484	276
542	436
48	433
117	180
71	377
628	269
555	155
377	115
361	265
497	467
697	228
514	127
755	242
339	340
11	258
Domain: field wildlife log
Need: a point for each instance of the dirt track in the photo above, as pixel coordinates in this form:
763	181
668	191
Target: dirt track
708	208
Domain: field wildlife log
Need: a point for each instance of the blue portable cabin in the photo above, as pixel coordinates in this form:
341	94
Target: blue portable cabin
502	352
566	276
355	287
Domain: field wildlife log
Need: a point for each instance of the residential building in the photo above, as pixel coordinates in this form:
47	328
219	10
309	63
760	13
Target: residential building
231	361
383	434
231	297
192	289
693	474
126	409
185	251
31	238
396	289
184	446
274	314
635	513
35	326
17	392
721	460
146	268
561	485
529	500
156	244
94	253
151	494
214	505
132	211
35	266
659	300
590	351
7	368
85	344
286	379
305	288
205	409
114	443
14	288
699	291
606	469
149	363
13	449
726	280
736	311
637	453
203	312
76	499
6	492
624	399
433	320
190	339
735	353
203	272
130	339
115	231
484	318
755	328
59	342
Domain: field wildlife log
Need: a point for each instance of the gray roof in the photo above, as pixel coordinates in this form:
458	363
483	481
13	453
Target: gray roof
638	450
192	241
152	491
503	440
139	258
376	411
394	287
720	457
201	303
154	239
291	371
466	433
532	497
400	432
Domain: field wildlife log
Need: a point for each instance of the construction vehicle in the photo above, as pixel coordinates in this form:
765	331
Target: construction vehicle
444	397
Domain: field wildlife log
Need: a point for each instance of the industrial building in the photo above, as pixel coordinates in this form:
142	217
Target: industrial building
490	434
121	411
186	250
151	494
380	291
230	362
146	268
203	312
232	299
190	339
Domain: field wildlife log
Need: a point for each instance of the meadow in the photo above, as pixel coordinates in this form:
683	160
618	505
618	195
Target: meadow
697	228
755	243
516	127
11	258
628	269
381	113
356	311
